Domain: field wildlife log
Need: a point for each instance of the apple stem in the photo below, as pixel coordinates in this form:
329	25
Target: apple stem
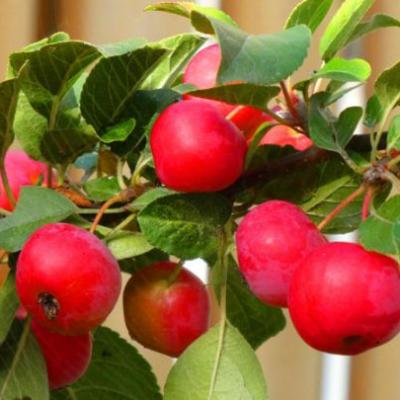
175	274
369	195
3	254
340	207
6	184
49	176
289	103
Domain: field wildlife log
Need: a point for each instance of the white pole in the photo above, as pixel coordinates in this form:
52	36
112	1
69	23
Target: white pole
209	3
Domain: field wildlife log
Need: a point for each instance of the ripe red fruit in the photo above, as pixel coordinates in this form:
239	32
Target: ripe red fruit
67	357
67	279
21	171
282	135
344	299
202	72
195	149
166	309
271	241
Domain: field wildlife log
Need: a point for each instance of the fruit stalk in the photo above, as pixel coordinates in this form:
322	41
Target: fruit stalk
6	184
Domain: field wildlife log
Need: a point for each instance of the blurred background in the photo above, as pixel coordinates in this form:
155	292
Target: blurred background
293	370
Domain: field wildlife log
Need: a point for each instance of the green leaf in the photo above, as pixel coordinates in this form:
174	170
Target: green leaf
180	48
18	59
233	365
342	26
23	372
253	59
8	101
132	265
186	8
119	48
393	139
256	321
117	372
373	112
128	244
327	132
387	90
148	197
8	305
51	72
310	13
30	214
340	69
380	232
111	86
241	94
376	22
119	132
101	189
185	225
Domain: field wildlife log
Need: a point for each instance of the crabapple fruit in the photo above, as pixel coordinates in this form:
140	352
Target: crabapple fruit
67	357
344	299
166	308
21	171
202	72
282	135
195	149
271	241
67	279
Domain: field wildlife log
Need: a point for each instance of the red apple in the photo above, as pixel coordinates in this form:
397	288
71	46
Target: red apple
202	72
271	240
21	171
344	299
195	149
283	135
166	308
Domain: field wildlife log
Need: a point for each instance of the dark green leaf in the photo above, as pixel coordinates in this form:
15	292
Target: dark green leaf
340	69
256	321
30	214
376	22
111	86
8	101
8	305
310	13
232	363
393	139
134	264
253	59
128	244
117	372
342	26
240	94
327	132
119	132
380	232
23	372
373	112
101	189
148	197
185	225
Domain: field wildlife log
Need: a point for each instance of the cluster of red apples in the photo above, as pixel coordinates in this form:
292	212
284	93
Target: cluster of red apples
342	298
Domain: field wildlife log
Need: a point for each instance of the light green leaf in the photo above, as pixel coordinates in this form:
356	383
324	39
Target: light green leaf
185	225
8	305
180	48
149	196
256	321
262	59
30	215
342	26
310	13
119	132
111	86
340	69
117	372
393	139
8	101
376	22
119	48
215	370
23	372
101	189
128	244
240	94
381	231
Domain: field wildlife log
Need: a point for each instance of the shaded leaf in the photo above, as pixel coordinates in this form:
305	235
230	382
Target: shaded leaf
101	189
393	138
8	305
